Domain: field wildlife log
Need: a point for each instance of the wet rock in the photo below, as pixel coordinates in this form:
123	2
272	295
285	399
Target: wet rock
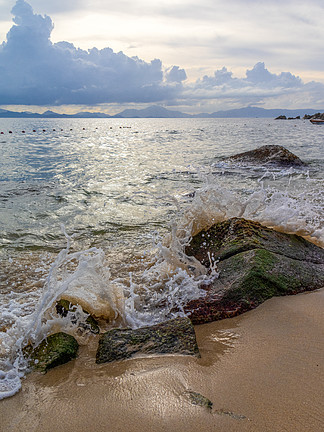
63	307
269	155
198	399
176	336
255	264
55	350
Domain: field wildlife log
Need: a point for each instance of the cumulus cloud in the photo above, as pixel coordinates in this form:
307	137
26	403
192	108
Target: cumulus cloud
36	71
258	78
258	87
175	74
260	75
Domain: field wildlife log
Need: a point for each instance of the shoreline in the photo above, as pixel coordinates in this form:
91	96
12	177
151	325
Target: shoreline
262	370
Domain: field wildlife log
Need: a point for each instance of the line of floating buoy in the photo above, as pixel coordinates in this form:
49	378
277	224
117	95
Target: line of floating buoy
54	130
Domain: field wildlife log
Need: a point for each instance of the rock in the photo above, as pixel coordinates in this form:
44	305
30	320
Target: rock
255	264
269	155
281	117
319	116
198	399
230	414
63	307
176	336
55	350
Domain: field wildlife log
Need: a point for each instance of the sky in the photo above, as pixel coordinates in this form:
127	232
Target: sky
189	55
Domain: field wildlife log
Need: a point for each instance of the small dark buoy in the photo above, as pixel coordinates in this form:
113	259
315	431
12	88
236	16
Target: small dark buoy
44	130
34	130
83	128
10	131
1	133
61	129
53	130
23	132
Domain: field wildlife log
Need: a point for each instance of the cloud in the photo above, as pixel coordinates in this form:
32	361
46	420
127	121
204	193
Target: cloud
258	87
260	75
175	74
257	82
36	71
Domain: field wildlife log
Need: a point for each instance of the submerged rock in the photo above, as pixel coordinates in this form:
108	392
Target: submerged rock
230	414
269	155
255	264
55	350
176	336
198	399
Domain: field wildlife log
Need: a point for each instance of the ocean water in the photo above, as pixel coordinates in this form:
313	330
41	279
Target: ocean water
98	211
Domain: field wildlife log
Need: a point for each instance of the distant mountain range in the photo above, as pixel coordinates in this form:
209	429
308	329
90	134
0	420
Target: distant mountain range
160	112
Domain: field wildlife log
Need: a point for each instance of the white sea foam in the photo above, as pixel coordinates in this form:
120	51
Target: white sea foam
171	279
295	210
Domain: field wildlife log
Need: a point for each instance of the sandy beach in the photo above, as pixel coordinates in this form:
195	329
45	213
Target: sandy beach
263	371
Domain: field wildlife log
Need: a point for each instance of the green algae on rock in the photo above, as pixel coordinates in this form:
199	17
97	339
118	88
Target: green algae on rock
255	263
55	350
176	336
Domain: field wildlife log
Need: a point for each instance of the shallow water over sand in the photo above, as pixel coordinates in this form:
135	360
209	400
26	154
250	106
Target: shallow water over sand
262	371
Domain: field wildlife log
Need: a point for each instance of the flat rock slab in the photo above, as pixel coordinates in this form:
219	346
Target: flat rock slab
255	263
55	350
176	336
269	155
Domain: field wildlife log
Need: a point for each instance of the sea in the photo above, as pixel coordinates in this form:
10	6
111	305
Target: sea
98	212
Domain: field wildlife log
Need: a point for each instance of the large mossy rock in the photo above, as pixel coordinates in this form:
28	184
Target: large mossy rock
176	336
55	350
255	264
269	155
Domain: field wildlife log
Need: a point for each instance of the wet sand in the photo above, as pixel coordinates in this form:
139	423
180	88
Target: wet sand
263	371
